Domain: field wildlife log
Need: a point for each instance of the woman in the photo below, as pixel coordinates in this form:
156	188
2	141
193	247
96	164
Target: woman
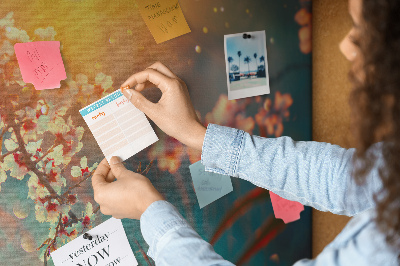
320	175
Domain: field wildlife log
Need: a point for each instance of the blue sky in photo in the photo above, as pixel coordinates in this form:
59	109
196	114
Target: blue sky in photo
248	47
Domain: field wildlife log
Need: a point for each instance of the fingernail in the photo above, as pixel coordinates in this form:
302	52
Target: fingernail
129	92
115	160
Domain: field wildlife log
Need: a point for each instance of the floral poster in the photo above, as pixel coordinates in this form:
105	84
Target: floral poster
48	154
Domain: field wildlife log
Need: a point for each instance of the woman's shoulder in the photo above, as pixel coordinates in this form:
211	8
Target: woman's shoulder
361	240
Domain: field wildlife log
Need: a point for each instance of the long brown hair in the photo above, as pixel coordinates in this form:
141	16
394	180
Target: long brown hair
375	101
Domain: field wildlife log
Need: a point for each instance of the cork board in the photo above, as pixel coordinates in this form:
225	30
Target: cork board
331	89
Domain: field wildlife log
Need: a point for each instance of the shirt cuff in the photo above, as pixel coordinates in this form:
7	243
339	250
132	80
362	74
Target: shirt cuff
158	219
221	150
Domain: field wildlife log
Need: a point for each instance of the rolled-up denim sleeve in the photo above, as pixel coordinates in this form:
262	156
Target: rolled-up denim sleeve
172	241
315	174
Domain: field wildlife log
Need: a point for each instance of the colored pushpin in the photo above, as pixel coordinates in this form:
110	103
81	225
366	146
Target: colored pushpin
127	87
87	236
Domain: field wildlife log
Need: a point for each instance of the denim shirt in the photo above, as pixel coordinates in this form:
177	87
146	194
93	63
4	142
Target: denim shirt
312	173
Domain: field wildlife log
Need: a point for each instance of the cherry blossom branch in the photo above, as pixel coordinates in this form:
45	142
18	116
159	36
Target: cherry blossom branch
69	190
53	242
8	153
96	209
145	171
28	163
25	161
47	152
65	167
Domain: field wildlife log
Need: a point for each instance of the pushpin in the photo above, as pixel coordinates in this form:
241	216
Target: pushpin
246	36
127	87
87	236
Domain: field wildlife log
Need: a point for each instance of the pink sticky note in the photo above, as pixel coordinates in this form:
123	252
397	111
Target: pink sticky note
41	64
284	209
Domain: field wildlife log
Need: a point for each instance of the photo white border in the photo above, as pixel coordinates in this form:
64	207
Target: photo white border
248	92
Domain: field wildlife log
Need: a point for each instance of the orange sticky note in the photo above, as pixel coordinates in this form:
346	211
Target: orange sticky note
41	64
284	209
164	18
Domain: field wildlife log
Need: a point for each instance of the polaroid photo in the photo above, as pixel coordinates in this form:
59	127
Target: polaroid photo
246	64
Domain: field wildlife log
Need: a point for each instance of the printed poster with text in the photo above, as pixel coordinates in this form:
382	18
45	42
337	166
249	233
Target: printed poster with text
164	19
108	246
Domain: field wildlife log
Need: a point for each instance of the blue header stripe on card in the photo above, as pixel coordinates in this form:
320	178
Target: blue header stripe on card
101	103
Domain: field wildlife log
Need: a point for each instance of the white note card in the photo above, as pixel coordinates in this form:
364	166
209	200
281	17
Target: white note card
109	246
118	126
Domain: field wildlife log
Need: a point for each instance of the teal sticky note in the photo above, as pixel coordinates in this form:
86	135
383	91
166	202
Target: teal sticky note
209	186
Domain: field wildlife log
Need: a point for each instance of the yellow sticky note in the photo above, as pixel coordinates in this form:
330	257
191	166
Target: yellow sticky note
164	18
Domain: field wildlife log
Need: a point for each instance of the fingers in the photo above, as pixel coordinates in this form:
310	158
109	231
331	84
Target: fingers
140	102
163	69
142	86
110	177
162	81
100	175
160	68
117	167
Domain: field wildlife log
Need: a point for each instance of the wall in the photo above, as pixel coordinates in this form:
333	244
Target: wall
331	89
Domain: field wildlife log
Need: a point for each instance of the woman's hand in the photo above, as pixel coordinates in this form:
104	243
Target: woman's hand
128	196
174	113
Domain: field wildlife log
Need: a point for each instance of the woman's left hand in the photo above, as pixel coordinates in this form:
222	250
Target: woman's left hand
128	196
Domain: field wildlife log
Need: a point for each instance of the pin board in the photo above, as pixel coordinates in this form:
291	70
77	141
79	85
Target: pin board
102	43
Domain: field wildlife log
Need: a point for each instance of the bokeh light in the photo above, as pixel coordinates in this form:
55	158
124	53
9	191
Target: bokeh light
198	49
274	258
21	210
27	242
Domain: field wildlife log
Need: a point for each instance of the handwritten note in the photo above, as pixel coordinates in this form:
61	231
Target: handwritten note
288	211
209	186
164	18
118	126
109	246
41	64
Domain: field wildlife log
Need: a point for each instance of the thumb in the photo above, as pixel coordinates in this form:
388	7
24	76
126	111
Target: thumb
139	101
117	168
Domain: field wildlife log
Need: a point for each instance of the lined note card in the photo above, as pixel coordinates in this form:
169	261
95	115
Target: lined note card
164	18
41	64
118	126
108	246
209	186
287	210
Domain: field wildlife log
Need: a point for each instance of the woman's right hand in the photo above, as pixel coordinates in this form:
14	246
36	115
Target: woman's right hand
173	113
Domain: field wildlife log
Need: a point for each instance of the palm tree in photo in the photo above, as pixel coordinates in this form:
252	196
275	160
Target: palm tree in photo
234	68
247	60
262	59
255	58
230	59
239	54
